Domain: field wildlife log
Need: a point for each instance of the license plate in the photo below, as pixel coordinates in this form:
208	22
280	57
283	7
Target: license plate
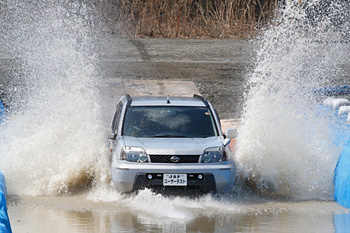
175	179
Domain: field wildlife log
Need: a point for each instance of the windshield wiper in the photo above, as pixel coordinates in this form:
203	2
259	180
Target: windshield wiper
168	136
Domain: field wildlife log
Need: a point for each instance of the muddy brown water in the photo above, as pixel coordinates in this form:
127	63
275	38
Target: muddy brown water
151	213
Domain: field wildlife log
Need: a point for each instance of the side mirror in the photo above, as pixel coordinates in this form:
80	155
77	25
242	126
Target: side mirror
111	141
231	133
227	141
111	136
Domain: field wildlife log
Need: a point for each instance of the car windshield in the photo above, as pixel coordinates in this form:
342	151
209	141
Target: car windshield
154	121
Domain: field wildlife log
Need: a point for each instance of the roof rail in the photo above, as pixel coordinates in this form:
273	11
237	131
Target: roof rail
129	99
202	99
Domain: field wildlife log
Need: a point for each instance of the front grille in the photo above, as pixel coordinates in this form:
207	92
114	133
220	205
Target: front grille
167	158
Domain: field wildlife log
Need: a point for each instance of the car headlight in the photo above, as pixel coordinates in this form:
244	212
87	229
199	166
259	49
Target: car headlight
133	154
214	155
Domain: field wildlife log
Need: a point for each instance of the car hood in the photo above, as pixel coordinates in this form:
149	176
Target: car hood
172	146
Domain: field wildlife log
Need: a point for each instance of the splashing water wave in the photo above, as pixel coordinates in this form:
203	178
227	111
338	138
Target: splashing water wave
285	146
53	142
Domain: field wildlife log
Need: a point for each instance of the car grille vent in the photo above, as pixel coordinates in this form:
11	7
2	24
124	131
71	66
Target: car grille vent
172	159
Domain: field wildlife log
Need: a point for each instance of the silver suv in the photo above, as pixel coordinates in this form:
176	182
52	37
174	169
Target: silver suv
167	143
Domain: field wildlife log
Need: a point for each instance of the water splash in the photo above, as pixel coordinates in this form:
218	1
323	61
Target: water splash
285	146
53	141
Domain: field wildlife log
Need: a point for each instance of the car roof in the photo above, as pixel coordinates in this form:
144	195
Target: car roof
163	101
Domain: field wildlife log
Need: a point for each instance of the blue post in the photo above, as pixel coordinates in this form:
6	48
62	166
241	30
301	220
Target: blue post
2	112
342	178
341	129
5	226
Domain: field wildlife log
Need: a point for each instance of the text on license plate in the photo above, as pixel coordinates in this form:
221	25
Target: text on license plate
175	179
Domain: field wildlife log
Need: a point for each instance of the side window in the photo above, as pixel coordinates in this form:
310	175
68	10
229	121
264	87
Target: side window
116	118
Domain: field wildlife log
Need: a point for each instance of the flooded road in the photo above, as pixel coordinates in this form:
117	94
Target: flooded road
61	83
148	212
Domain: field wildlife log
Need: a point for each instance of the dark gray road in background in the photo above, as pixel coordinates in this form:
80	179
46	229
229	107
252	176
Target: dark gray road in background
217	67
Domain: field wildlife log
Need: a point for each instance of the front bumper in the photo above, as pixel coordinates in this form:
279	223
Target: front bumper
128	177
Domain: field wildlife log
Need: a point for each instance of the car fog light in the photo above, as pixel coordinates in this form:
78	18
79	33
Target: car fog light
149	176
200	176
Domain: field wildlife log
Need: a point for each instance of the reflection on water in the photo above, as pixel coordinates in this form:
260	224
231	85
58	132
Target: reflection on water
203	214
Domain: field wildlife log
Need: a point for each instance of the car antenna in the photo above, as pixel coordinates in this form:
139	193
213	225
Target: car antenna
167	100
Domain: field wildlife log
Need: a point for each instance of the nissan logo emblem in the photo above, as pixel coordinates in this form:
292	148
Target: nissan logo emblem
175	159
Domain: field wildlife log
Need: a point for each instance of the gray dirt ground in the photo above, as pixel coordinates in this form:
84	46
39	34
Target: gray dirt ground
217	67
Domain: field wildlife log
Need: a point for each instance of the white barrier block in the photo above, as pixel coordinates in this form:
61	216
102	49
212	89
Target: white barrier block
335	103
344	110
